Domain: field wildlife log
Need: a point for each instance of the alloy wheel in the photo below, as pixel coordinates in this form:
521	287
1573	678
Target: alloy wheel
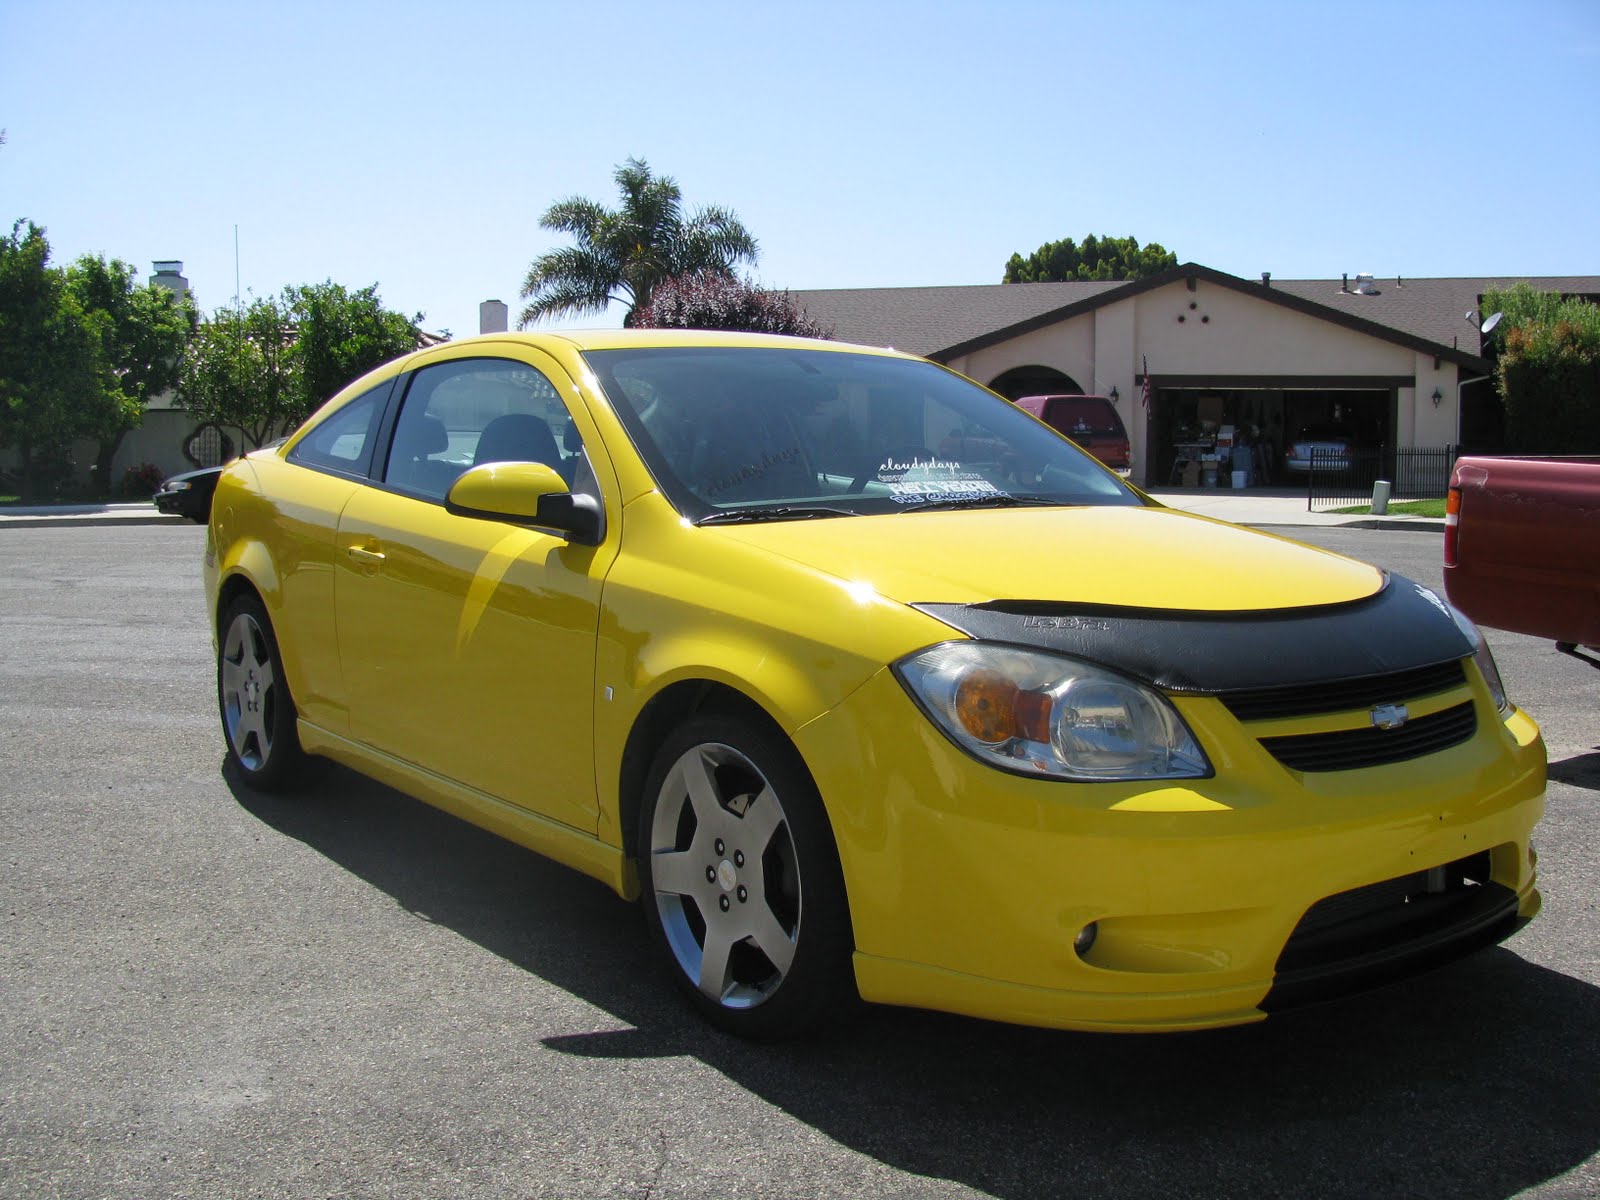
249	692
725	875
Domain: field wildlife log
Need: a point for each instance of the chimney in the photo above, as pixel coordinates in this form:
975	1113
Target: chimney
1266	279
493	317
168	273
1344	286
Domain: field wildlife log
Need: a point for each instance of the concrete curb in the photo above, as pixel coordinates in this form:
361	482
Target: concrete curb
88	520
73	516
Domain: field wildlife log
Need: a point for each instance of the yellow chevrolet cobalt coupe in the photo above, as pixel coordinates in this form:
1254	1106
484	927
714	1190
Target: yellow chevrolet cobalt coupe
867	684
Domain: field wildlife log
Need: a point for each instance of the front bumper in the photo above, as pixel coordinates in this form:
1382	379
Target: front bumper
967	885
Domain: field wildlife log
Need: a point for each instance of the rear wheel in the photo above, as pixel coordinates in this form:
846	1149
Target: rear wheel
258	714
741	878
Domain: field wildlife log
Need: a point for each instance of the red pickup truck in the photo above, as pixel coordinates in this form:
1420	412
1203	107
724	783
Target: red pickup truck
1522	547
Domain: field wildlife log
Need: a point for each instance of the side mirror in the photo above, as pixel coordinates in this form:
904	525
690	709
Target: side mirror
526	494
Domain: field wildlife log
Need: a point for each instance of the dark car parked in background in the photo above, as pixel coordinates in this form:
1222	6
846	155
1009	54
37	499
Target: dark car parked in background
189	494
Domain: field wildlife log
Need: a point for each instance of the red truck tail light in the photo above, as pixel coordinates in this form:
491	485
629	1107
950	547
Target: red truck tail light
1452	525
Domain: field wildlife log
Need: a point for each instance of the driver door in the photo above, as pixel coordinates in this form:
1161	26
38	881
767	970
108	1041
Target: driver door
468	645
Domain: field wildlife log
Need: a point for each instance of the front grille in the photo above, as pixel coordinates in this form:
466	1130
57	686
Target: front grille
1266	704
1386	931
1350	749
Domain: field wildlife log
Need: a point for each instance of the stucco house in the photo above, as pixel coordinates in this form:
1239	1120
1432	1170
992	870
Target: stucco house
1393	362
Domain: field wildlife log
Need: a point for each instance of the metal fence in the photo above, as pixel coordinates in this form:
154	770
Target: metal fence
1344	478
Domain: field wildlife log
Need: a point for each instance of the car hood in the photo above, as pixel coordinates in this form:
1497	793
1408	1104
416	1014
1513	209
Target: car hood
1151	558
1150	592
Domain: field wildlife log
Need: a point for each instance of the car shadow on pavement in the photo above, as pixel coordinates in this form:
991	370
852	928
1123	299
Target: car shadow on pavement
1581	770
1475	1082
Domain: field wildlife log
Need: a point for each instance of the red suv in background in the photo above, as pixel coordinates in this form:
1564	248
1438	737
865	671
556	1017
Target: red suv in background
1090	421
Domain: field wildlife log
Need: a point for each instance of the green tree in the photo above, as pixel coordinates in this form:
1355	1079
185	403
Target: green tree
1096	258
715	300
1547	370
52	378
142	335
341	335
240	370
623	253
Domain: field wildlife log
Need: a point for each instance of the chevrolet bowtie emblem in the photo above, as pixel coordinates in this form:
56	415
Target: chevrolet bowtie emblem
1390	716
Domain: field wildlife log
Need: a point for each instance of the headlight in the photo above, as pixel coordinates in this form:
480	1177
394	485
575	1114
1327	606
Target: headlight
1042	714
1485	660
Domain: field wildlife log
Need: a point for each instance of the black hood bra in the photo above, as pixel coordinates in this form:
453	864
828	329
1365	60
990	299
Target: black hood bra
1400	627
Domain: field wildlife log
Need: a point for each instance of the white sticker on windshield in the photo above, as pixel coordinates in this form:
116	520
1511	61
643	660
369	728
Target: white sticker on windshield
922	491
919	480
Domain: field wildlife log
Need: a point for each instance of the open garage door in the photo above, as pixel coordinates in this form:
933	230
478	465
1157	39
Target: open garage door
1184	420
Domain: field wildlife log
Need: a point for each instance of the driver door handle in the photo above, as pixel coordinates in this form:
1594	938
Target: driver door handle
371	558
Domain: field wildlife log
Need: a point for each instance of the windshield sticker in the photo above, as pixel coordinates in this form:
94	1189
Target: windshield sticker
755	470
919	480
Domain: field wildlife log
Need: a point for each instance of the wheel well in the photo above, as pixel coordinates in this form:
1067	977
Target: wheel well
232	588
658	719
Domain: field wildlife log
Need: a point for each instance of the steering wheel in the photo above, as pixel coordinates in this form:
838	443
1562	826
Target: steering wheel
906	453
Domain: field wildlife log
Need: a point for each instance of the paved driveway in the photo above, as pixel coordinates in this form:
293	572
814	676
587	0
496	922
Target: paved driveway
212	993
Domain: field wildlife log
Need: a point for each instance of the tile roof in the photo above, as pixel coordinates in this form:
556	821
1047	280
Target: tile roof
931	320
1432	309
923	320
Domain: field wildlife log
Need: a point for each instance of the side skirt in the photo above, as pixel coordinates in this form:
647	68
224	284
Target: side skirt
570	847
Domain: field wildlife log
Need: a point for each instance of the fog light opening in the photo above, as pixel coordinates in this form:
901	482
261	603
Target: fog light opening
1085	939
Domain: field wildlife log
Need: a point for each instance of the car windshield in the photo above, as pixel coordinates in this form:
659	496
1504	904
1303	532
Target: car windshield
779	433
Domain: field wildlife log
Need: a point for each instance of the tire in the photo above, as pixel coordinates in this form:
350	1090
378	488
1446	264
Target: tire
258	714
741	883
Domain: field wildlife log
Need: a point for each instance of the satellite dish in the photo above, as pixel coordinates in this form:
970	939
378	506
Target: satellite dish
1488	325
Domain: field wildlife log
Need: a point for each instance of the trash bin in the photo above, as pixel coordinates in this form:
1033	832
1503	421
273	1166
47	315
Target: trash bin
1241	463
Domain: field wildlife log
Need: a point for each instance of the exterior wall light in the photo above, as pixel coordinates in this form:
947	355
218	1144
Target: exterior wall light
1437	397
1114	397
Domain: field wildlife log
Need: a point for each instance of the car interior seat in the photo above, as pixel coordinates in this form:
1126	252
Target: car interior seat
517	437
411	464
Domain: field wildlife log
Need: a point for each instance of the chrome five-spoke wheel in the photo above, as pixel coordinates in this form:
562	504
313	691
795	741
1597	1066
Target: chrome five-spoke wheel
257	714
741	879
726	880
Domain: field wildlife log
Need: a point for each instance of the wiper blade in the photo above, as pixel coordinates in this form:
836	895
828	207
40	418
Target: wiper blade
998	500
781	512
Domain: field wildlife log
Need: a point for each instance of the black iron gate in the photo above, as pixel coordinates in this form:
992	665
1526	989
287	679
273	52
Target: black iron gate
1345	478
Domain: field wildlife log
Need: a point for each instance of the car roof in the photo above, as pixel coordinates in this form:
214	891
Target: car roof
623	339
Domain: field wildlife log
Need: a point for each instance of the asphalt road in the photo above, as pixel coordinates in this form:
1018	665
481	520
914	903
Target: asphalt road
211	993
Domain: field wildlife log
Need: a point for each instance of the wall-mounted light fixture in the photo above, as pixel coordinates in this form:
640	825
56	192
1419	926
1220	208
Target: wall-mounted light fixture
1114	396
1438	396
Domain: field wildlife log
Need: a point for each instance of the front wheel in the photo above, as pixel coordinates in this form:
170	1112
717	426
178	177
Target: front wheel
741	879
258	715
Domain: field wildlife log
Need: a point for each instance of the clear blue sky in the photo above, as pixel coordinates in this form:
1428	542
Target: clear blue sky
864	144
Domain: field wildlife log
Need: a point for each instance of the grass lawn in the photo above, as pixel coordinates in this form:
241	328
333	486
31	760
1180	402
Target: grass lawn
1415	508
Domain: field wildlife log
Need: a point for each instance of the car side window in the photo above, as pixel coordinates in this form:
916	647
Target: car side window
344	441
461	414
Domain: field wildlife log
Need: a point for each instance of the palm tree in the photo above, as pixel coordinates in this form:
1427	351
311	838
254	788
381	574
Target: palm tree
621	254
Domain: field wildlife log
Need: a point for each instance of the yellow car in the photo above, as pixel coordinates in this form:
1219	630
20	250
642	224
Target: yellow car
869	684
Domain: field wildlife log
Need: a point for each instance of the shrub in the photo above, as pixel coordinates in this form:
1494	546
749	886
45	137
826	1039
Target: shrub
715	300
1549	371
142	482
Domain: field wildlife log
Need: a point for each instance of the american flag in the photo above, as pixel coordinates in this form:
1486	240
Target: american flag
1144	392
